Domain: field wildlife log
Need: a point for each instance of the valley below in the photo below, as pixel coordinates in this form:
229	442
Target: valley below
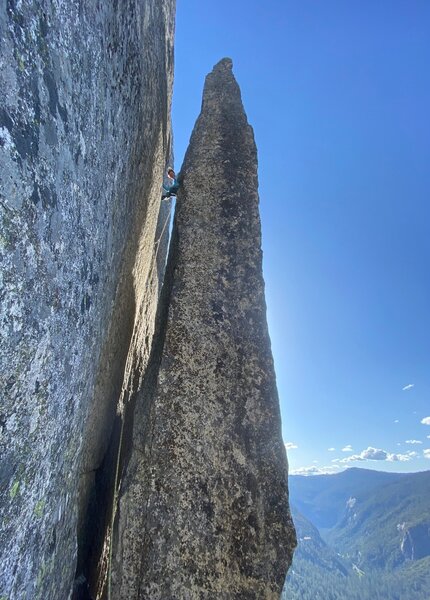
362	535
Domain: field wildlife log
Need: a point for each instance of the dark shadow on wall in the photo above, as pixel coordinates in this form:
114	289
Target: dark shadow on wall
98	487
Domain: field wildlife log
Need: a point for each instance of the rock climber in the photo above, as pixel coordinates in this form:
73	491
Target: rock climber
170	190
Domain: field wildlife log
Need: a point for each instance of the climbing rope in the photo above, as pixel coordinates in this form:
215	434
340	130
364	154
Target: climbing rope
114	504
157	243
118	459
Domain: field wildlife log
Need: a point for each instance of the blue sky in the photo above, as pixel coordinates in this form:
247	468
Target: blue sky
338	94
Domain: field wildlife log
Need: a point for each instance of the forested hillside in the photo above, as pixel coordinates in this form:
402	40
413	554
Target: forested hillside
378	544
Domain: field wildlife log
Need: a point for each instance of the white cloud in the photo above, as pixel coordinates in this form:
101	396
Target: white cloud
334	449
396	421
290	445
379	454
425	421
402	457
426	453
305	471
315	470
413	442
428	437
373	454
347	448
408	387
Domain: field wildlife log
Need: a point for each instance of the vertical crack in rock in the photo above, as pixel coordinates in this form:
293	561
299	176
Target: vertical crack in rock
85	93
95	556
204	504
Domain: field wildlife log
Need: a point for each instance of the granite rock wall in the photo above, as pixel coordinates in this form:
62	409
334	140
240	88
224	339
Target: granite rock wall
204	502
85	93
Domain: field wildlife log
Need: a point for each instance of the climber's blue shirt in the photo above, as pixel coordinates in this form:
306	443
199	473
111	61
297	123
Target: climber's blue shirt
171	188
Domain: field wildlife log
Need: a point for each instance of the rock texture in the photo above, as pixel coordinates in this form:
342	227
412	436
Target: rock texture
204	504
85	90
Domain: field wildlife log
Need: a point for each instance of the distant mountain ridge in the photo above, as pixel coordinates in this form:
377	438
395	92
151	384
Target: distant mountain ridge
322	498
387	525
362	535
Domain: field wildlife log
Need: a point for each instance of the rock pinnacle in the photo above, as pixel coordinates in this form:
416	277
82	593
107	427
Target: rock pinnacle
204	512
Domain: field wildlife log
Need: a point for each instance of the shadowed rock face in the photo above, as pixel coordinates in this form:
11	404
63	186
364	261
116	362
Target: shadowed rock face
204	509
85	91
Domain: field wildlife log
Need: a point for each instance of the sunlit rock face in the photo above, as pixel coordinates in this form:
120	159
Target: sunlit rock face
415	542
204	504
85	92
